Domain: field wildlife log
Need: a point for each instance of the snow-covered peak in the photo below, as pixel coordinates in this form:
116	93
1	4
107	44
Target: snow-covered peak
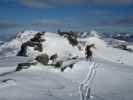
94	33
25	35
10	48
58	44
54	44
95	39
99	43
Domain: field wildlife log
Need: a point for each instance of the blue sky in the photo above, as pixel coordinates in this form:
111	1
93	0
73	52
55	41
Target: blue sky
77	15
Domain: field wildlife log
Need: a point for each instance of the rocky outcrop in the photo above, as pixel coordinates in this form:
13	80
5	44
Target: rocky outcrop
73	41
35	42
24	65
43	59
123	47
71	37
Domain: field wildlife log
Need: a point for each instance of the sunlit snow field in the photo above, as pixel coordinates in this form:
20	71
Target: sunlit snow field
113	80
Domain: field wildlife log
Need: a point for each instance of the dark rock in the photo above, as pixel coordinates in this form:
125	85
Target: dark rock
72	41
35	42
58	64
43	59
123	47
37	38
24	66
71	66
23	50
6	80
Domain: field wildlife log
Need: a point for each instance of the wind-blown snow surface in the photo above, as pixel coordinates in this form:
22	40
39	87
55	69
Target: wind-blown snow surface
113	79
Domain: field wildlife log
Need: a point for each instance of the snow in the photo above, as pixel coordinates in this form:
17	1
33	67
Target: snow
114	54
11	48
113	82
60	45
113	69
109	53
94	34
130	46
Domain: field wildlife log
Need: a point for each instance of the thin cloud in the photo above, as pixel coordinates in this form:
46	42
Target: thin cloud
121	22
35	3
113	2
57	24
7	25
60	3
48	23
125	21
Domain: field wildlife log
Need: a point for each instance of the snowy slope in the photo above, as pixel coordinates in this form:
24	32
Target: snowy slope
54	44
113	82
60	45
111	54
115	55
11	48
113	79
104	51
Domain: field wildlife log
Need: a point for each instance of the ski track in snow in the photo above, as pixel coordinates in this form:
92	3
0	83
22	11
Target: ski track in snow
109	79
38	80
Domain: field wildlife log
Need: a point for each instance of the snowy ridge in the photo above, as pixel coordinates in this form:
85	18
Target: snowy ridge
104	49
92	33
113	79
11	48
57	44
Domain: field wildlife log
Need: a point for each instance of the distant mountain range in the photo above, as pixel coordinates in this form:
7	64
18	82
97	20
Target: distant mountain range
128	37
12	46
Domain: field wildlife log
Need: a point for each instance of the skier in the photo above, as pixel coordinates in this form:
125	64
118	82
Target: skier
88	51
54	57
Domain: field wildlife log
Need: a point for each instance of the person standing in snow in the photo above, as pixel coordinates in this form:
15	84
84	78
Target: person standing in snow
88	51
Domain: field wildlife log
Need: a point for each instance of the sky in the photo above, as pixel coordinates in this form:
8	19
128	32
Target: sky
66	15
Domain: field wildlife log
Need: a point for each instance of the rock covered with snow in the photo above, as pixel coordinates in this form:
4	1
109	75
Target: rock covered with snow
41	82
92	33
56	44
53	44
10	48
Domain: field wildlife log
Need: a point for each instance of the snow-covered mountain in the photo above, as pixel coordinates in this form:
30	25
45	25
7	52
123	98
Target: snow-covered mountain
112	70
10	48
93	33
58	44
